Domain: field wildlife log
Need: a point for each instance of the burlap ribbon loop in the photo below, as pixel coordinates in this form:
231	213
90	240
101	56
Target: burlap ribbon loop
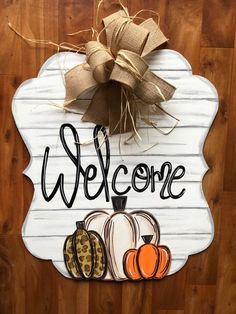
129	69
119	73
100	61
128	36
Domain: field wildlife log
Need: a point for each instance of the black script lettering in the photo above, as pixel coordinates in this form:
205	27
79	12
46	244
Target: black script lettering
89	174
104	167
60	180
147	176
170	177
173	177
141	168
113	184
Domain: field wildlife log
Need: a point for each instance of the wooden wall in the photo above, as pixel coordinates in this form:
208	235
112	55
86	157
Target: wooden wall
204	32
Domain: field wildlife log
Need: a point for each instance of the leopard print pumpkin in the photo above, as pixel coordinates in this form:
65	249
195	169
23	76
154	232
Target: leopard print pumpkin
85	254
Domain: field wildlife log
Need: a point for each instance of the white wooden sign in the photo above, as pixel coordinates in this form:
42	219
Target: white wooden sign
155	187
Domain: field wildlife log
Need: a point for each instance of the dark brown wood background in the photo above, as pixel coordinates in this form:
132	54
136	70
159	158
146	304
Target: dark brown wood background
204	32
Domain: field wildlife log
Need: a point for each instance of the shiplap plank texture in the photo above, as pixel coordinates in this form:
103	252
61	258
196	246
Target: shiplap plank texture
185	223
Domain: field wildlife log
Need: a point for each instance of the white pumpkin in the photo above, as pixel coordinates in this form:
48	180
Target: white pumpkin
122	231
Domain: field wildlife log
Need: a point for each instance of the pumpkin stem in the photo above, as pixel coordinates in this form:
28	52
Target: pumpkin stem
80	224
119	203
147	238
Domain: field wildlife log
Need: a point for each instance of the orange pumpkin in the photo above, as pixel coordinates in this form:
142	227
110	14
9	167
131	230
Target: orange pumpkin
148	262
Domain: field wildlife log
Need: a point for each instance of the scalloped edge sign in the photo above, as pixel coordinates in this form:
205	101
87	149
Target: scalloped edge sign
101	210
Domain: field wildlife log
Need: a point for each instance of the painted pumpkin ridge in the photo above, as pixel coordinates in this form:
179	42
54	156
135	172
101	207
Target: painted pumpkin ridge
69	259
147	258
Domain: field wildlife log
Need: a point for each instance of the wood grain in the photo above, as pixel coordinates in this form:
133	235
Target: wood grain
215	62
218	24
183	19
207	283
230	165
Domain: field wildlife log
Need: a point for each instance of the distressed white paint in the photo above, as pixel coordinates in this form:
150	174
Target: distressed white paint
186	224
183	141
42	222
194	167
193	197
199	113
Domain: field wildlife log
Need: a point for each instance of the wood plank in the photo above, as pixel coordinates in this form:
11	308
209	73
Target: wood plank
194	167
12	275
199	113
141	292
53	88
203	268
188	17
35	28
10	56
193	197
170	312
225	292
74	16
179	142
165	296
72	296
156	60
230	166
167	74
42	280
200	299
174	221
13	156
38	20
106	298
214	62
218	25
54	249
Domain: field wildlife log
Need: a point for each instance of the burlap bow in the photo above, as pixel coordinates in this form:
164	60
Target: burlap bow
119	74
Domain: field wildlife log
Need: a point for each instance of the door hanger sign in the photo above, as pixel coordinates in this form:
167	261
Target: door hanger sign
111	211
